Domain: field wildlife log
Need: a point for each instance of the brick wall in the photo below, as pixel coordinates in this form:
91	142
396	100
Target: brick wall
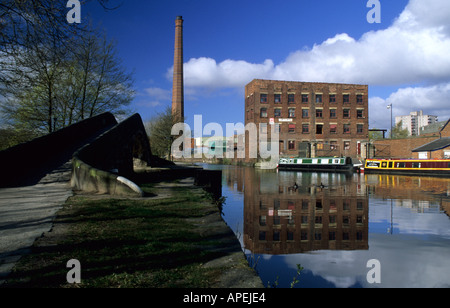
402	148
326	115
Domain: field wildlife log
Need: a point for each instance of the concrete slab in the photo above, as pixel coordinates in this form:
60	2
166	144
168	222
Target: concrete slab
28	212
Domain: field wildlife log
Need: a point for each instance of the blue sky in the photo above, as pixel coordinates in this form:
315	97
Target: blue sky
405	59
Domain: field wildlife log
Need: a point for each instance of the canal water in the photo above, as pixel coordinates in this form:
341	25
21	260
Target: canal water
335	225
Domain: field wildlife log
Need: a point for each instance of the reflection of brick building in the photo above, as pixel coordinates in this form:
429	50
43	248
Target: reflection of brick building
314	119
293	221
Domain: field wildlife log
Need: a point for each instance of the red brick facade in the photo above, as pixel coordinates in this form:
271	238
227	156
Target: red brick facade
403	148
178	83
315	119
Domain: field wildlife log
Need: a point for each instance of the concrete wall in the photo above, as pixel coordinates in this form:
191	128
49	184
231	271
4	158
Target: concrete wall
114	150
90	179
105	164
27	163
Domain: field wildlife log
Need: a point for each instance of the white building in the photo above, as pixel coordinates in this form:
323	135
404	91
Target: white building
415	121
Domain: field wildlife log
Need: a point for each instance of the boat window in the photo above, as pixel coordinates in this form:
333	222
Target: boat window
401	165
384	164
390	164
416	165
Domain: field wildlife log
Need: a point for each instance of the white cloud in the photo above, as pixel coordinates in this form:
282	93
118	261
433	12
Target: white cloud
158	93
433	100
154	97
206	72
414	49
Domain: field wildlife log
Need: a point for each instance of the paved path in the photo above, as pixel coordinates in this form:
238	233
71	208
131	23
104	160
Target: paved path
27	212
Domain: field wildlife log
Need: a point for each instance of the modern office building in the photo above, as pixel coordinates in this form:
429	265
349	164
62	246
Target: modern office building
313	119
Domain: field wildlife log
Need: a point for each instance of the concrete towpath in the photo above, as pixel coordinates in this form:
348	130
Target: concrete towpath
28	212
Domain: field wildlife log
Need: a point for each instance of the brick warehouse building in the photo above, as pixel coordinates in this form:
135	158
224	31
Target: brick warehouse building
314	119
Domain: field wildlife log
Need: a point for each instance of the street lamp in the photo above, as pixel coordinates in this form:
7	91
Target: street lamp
390	107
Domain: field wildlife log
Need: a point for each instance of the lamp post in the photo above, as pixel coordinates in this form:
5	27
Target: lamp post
390	107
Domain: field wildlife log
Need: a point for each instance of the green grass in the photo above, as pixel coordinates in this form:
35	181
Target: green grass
124	243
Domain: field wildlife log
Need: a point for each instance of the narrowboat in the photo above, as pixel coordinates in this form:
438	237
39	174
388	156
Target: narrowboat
429	167
322	164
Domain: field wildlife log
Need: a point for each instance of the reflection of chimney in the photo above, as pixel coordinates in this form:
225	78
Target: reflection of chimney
178	82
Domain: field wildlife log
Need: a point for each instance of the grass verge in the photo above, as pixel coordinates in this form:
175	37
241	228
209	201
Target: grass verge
138	243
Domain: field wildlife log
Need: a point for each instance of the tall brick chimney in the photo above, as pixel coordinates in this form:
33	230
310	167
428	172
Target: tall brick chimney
178	82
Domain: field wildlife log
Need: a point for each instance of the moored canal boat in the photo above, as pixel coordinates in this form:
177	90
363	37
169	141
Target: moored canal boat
322	164
429	167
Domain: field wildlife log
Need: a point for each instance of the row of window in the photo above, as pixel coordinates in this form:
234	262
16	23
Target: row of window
276	235
305	220
320	128
317	203
305	98
333	145
346	113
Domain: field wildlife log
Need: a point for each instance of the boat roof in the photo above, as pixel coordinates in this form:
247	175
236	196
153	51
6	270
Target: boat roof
435	145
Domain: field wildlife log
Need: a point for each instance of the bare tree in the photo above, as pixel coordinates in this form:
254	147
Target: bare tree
159	130
50	75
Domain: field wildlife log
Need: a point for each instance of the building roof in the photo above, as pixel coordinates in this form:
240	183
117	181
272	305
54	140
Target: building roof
435	145
433	128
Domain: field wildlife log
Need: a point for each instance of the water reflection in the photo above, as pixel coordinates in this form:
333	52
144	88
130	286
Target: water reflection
286	213
332	224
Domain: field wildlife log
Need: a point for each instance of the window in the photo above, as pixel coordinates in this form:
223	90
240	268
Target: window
359	236
332	235
305	98
333	128
346	98
262	221
304	235
263	98
359	99
305	113
277	98
360	114
346	114
291	112
292	128
291	144
360	128
276	236
333	114
263	113
318	236
346	145
263	128
305	204
290	235
277	113
346	128
319	98
262	235
332	98
319	113
291	98
305	128
319	129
